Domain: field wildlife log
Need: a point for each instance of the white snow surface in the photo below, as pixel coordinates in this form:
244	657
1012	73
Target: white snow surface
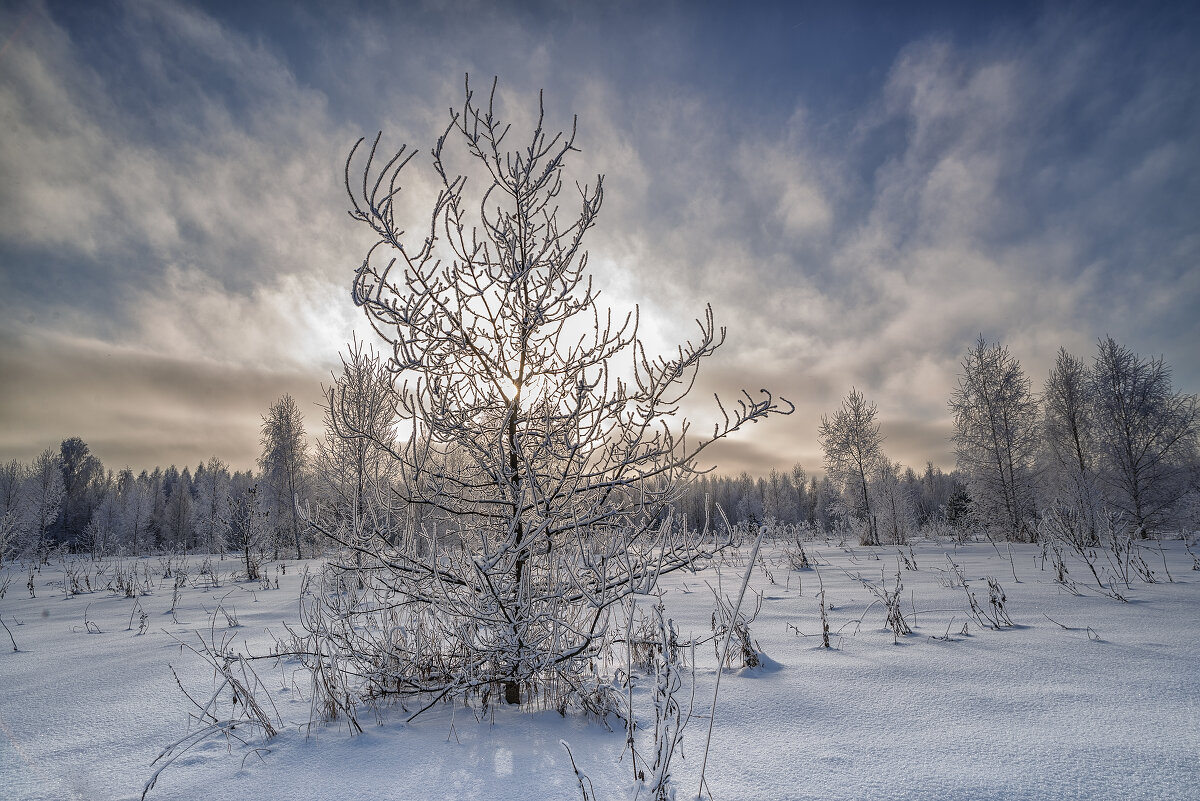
1085	698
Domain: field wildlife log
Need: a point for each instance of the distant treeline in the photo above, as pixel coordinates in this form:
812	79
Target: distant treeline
1107	449
795	497
66	498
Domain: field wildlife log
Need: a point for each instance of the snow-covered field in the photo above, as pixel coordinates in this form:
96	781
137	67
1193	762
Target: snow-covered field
1085	697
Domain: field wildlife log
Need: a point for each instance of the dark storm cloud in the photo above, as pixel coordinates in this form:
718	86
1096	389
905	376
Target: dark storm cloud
858	192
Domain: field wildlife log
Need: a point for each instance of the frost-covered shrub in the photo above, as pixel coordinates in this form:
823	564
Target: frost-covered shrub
730	622
536	488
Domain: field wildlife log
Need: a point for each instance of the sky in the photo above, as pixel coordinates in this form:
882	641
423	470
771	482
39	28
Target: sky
860	190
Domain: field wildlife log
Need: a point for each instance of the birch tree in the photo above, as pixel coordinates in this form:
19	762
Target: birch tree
83	487
177	509
44	494
210	508
246	523
136	527
895	516
354	458
544	467
12	480
996	437
103	529
1146	434
1068	425
12	509
853	454
283	462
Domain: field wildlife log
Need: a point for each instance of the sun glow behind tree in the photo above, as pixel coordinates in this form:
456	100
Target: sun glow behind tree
543	476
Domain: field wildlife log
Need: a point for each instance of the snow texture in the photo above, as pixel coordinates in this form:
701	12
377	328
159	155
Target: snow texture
1084	698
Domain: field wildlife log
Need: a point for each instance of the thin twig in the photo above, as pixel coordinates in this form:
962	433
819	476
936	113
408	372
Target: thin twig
10	634
724	653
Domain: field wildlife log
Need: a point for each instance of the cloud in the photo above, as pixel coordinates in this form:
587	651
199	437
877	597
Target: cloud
964	231
983	215
291	321
175	253
242	186
173	192
140	408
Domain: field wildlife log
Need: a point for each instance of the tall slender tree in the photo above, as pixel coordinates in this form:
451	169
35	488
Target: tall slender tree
283	462
136	527
779	497
853	454
894	513
83	480
210	507
996	435
803	502
247	522
354	459
1146	434
1069	479
103	529
44	494
13	474
177	511
12	509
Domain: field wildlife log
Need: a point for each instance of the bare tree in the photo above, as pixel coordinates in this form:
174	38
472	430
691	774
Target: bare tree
138	496
1146	434
1069	478
544	471
12	480
996	438
853	454
9	534
931	497
83	487
353	461
210	509
44	494
803	501
779	497
895	515
246	523
13	511
103	529
283	462
158	484
176	518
